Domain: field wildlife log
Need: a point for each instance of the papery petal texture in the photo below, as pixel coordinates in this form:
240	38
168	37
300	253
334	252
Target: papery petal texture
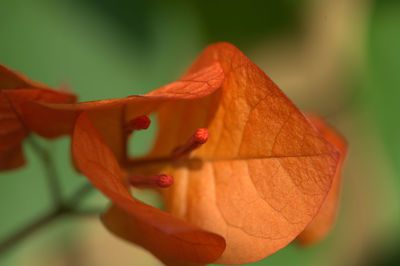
16	89
258	182
323	223
172	240
11	80
110	116
265	170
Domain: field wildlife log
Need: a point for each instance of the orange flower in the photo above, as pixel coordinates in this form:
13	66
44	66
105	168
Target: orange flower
256	177
325	219
99	131
172	240
15	89
111	117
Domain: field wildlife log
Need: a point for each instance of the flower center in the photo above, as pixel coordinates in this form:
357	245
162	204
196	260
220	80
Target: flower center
138	123
199	137
161	181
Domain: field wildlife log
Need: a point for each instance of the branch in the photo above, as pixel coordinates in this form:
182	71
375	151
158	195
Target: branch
28	230
60	207
22	234
79	195
50	171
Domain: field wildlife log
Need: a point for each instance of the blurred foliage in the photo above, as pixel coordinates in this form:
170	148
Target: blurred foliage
380	99
382	83
106	49
238	22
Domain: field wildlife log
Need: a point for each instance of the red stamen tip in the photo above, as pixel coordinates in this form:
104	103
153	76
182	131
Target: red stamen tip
141	122
138	123
200	136
161	181
164	181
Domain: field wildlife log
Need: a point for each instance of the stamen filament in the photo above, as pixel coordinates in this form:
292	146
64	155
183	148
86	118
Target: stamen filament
138	123
160	181
196	140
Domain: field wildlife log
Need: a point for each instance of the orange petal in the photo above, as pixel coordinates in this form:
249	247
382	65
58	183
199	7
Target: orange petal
265	170
170	239
11	158
324	221
110	116
12	128
20	96
10	79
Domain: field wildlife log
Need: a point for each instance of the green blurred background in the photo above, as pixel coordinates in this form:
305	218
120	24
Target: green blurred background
335	57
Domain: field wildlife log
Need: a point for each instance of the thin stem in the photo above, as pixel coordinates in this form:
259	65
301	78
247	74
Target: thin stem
22	234
79	195
60	207
31	228
50	171
87	212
